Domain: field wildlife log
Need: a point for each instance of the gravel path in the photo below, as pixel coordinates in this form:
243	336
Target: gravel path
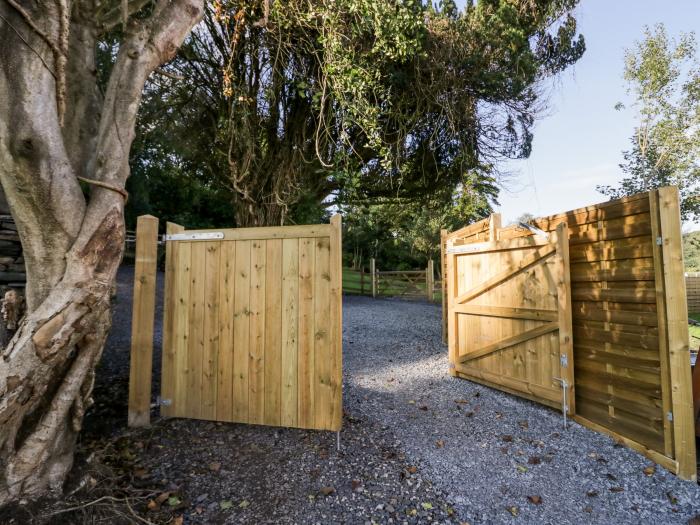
417	446
496	457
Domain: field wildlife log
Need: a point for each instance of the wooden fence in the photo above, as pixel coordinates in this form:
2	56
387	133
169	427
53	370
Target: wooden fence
252	326
632	376
692	286
407	284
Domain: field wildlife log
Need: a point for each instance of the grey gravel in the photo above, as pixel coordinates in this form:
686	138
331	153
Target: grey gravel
497	449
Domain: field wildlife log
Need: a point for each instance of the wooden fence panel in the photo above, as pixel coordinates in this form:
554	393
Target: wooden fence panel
252	328
630	332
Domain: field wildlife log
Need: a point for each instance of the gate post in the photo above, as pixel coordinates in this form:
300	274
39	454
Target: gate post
142	316
429	284
373	271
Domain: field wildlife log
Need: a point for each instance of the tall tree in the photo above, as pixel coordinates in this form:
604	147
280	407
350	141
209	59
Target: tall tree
58	129
663	76
357	99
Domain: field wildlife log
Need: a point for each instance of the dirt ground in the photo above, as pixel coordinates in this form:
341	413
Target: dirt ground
417	446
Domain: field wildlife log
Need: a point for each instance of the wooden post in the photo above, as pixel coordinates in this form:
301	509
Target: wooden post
373	272
429	280
362	280
494	226
677	333
566	330
336	277
168	354
143	311
443	272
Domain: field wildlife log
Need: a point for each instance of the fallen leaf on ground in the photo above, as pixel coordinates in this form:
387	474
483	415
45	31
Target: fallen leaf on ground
225	504
524	424
244	504
423	407
439	443
513	510
616	489
174	501
537	500
592	493
152	505
355	484
673	499
534	460
164	496
649	471
177	520
461	401
522	469
507	438
412	470
215	466
326	491
426	505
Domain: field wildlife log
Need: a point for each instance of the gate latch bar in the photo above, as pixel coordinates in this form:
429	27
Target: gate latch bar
203	236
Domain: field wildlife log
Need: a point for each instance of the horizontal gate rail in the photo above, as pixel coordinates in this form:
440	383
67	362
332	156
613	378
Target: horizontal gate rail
511	341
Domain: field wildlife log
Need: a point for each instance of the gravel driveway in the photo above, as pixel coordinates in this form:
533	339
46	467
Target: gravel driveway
417	446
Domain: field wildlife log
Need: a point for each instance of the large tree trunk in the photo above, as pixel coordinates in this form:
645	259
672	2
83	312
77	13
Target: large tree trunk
55	126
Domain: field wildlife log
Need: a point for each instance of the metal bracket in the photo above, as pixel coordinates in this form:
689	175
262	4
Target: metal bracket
659	241
669	416
203	236
564	360
533	229
164	402
564	404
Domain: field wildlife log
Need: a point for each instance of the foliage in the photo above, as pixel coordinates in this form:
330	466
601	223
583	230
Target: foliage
354	101
404	235
663	75
691	251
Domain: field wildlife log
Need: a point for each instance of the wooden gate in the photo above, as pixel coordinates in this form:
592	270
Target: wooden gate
252	325
509	316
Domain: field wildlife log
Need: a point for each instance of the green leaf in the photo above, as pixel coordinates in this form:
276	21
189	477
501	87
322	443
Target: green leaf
226	504
174	501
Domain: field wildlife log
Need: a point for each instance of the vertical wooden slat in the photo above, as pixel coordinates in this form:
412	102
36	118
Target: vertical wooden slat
195	345
373	272
566	342
241	332
143	312
659	287
290	325
227	278
336	331
443	273
273	333
306	333
450	288
168	370
677	319
256	362
323	347
210	354
494	226
181	337
429	280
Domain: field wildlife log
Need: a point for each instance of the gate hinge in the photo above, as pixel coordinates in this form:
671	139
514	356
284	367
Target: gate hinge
564	360
669	416
659	241
164	402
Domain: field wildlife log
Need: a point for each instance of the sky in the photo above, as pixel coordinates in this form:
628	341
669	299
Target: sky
579	142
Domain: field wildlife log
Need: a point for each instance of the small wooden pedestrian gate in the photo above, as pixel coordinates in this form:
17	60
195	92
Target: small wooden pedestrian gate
510	315
252	325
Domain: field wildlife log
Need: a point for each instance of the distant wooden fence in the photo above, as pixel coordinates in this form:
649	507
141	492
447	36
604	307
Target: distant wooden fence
632	376
252	326
407	284
692	286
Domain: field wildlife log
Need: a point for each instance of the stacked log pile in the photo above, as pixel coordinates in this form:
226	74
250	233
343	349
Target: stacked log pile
12	272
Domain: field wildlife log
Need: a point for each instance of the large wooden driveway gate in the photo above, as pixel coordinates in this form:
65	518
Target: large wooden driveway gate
252	326
510	316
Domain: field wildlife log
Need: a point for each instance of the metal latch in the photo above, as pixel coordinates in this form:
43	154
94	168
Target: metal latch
203	236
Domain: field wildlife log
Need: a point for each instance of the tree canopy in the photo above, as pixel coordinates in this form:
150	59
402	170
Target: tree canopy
299	105
663	77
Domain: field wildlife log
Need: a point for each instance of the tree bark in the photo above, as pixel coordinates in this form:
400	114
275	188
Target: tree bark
55	127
